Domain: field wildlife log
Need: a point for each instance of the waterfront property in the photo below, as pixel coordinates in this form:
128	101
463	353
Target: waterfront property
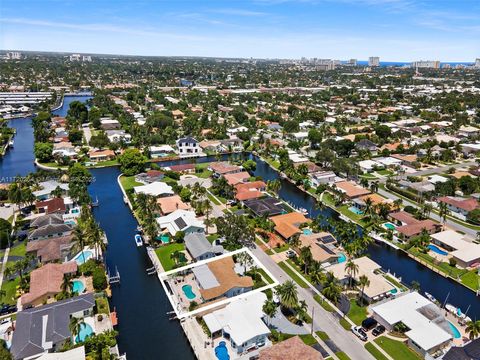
290	349
322	246
240	324
379	286
46	328
420	320
287	225
462	248
181	220
200	248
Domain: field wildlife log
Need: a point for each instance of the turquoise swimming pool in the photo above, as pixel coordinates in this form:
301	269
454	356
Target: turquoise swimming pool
389	226
437	250
342	258
307	232
78	286
187	290
83	256
455	331
85	331
354	210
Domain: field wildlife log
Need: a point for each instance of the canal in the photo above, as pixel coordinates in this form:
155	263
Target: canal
145	331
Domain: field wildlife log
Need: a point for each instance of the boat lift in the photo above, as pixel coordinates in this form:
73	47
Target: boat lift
115	279
152	270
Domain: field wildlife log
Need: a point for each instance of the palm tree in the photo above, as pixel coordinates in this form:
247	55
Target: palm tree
270	309
352	269
316	273
207	209
443	212
302	310
175	256
397	204
305	257
78	239
75	326
287	292
363	282
244	260
473	329
274	186
67	285
295	241
331	288
94	236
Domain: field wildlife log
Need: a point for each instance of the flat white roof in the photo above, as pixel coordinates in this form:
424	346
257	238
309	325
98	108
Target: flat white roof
405	308
156	188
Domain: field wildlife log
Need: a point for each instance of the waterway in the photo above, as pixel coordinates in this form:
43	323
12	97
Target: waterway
145	331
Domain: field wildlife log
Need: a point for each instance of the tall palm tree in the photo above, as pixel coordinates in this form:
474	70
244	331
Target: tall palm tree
473	329
270	309
331	288
443	212
301	310
78	240
305	257
207	210
75	326
316	273
352	269
363	282
287	292
67	285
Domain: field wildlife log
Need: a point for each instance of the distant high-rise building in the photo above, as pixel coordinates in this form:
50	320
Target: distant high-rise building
75	57
477	63
352	62
87	58
14	55
426	64
373	61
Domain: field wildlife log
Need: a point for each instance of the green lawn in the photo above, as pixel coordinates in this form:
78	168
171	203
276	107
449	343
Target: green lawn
322	335
345	324
19	250
106	163
308	339
375	352
267	278
213	199
281	248
323	303
102	306
396	349
129	182
293	275
470	279
357	313
205	174
384	172
395	282
342	356
164	252
10	287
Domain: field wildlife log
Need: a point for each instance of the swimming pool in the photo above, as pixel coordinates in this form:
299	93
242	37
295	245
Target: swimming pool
307	232
342	258
85	331
221	351
83	256
455	331
437	250
78	286
354	210
187	290
389	226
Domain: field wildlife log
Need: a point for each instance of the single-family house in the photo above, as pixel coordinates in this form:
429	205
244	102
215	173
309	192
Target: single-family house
290	349
188	147
156	189
169	204
181	220
289	224
200	248
458	205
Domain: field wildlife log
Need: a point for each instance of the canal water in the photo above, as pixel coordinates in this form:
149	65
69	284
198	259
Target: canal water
145	331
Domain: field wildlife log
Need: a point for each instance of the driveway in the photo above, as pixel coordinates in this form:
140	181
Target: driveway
280	323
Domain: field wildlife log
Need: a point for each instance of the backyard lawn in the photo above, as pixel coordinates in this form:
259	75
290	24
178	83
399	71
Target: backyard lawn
18	250
129	182
396	349
164	252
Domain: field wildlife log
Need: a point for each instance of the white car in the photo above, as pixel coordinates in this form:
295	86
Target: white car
291	253
358	331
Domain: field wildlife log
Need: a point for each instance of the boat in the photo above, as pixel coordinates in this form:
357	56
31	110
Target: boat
95	203
10	143
430	297
303	211
451	308
138	240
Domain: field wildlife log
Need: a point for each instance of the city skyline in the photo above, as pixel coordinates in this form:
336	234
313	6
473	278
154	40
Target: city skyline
394	30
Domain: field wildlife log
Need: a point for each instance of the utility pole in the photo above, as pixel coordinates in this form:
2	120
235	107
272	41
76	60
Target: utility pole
313	314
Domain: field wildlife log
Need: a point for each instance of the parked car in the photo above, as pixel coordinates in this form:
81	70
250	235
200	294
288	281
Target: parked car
358	331
231	202
369	323
8	309
380	329
291	253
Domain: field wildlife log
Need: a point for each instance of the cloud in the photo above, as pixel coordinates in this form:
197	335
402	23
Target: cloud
239	12
98	28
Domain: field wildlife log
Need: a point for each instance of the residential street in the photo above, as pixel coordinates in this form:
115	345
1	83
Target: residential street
323	320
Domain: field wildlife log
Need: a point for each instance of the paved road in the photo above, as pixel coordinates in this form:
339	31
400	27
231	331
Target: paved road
323	320
450	223
88	134
444	168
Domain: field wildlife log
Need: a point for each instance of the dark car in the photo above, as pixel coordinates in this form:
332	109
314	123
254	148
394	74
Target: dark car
380	329
368	324
8	309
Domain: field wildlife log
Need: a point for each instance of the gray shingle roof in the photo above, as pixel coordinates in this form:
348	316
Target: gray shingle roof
48	322
197	244
50	230
46	220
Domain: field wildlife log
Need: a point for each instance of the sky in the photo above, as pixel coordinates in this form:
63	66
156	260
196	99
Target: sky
394	30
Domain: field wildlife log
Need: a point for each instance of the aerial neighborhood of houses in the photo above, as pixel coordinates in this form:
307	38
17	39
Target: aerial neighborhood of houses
335	220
